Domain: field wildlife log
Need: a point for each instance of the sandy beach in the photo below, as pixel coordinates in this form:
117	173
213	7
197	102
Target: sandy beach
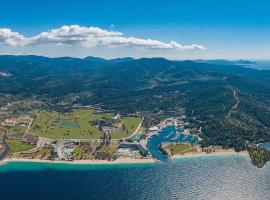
85	162
125	160
203	154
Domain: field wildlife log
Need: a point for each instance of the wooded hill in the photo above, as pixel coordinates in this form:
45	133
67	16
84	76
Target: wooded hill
232	102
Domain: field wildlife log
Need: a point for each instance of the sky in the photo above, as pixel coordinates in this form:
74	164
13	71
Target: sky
174	29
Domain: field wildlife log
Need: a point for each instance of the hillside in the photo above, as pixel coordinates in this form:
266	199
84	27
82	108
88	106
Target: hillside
230	102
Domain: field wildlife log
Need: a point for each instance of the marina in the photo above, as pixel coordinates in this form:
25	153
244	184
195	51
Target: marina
167	134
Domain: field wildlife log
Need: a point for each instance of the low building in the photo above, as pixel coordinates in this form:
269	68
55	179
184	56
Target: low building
134	146
209	149
8	123
154	128
67	153
108	129
117	119
15	122
117	122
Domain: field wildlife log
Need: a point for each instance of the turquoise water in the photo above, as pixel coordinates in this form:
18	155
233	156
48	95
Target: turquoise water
265	146
229	177
168	134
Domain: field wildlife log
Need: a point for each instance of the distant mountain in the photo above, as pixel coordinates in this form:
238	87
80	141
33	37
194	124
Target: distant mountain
226	62
95	59
261	64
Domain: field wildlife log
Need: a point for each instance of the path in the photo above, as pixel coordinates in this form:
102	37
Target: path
235	106
29	126
4	144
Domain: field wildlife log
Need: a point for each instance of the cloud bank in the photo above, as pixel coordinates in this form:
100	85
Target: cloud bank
88	37
8	37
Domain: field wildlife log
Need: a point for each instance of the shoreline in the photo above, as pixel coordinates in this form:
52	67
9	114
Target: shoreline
122	160
203	154
81	162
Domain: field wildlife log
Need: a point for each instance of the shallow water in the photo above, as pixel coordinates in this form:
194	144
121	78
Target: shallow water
214	177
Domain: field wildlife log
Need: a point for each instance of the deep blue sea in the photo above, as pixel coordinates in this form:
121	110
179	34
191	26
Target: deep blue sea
214	177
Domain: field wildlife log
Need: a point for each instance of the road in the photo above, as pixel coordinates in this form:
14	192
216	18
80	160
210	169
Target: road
237	100
5	151
29	126
235	106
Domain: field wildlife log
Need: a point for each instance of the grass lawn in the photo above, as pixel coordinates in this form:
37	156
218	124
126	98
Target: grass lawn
180	148
76	125
18	131
130	124
18	145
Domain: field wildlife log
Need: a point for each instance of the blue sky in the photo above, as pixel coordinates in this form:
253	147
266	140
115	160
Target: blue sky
197	28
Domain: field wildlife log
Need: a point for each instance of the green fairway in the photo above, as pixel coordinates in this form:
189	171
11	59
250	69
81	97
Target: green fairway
17	131
18	145
76	125
130	124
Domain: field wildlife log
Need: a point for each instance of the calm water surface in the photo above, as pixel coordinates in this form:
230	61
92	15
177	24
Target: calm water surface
168	134
213	177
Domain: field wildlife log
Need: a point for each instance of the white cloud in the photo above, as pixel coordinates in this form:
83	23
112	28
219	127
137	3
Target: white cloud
11	38
76	35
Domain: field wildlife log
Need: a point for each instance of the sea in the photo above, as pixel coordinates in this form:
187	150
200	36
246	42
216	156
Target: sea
260	65
211	177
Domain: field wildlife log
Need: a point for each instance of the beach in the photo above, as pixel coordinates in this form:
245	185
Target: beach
125	160
203	154
84	162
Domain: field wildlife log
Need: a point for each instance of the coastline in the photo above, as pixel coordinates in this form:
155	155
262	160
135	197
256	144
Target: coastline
123	160
82	162
202	154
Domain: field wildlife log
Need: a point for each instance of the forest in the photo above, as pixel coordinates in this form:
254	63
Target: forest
155	87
